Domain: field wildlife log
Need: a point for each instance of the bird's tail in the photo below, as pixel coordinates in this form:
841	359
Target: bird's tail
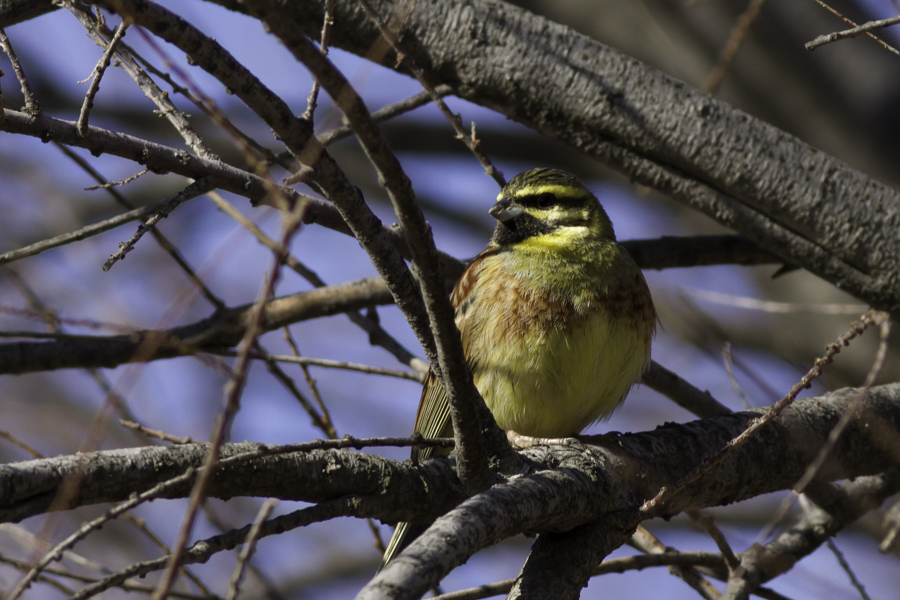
403	536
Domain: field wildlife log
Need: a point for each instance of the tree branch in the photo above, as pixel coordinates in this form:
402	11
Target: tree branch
851	501
566	488
797	202
582	491
225	328
473	424
608	478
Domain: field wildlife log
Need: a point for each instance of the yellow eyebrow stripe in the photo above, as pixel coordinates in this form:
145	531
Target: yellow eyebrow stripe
560	191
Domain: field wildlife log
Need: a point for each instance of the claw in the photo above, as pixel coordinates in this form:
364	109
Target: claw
522	442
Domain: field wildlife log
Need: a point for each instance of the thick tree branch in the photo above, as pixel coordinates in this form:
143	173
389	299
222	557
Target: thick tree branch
609	482
246	469
580	484
799	203
19	11
560	565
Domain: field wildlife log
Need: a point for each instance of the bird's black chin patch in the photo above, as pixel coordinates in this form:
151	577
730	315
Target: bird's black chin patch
516	230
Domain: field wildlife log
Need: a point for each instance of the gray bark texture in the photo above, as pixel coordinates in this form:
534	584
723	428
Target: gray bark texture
799	203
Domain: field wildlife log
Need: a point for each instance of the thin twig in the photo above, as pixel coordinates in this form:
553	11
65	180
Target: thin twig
774	307
648	543
853	32
32	106
10	437
234	585
160	435
199	187
718	537
330	430
106	185
99	70
728	361
83	233
883	322
318	420
326	364
128	587
854	580
884	44
856	329
327	23
166	159
388	112
467	138
379	116
682	392
735	39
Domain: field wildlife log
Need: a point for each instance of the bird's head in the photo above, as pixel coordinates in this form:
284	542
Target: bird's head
548	206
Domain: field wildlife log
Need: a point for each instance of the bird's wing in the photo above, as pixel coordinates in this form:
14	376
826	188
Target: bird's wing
433	417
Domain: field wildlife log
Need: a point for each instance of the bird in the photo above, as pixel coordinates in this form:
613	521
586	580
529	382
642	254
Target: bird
556	320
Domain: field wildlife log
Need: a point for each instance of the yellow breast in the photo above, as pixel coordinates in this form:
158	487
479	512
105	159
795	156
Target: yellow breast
555	354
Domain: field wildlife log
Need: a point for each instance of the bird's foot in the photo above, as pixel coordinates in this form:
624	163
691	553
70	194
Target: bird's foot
522	442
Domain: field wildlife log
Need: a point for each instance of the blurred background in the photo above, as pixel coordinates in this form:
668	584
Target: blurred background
735	331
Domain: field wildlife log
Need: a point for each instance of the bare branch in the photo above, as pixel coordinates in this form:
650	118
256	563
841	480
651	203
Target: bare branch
225	328
568	495
854	31
83	233
658	132
450	364
658	502
199	187
32	106
99	70
763	563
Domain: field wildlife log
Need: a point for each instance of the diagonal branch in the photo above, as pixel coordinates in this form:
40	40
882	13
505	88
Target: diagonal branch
297	135
797	202
465	401
760	564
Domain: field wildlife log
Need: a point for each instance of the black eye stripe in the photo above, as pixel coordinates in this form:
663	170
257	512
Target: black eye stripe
548	199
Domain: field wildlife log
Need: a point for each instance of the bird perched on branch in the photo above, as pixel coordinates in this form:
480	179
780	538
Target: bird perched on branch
555	318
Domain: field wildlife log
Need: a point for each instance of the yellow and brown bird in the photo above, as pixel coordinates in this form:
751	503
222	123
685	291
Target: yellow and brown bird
555	318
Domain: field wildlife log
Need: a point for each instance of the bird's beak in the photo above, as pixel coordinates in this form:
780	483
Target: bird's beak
505	211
